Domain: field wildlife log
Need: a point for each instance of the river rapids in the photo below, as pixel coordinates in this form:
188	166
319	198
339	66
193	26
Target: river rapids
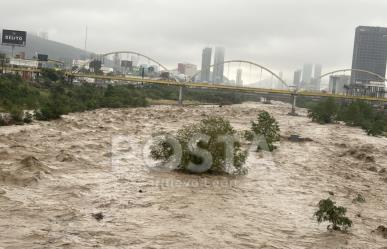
85	182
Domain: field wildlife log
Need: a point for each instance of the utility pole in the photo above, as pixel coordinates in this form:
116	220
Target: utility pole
86	39
180	96
294	103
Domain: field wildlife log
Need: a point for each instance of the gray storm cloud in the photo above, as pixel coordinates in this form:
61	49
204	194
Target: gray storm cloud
281	34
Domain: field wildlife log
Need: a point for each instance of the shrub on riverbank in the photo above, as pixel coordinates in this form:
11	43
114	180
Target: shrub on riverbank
357	113
15	93
66	99
15	117
267	127
208	146
52	97
324	112
200	95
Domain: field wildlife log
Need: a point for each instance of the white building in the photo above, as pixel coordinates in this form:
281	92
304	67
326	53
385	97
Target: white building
239	81
187	69
24	63
81	63
337	83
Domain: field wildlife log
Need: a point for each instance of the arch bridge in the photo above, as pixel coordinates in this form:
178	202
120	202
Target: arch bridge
289	90
262	68
351	70
101	56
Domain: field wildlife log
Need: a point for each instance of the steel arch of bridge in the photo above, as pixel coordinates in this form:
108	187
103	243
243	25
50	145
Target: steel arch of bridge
123	52
247	62
351	70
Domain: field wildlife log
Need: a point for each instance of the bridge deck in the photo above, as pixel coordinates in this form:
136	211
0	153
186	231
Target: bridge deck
206	85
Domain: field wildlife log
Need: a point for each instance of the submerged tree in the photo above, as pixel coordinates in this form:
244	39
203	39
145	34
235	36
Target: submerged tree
209	146
328	211
266	126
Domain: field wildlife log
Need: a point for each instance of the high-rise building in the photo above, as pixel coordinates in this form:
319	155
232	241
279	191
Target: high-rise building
370	54
239	81
218	65
116	62
206	64
307	75
279	84
297	78
316	79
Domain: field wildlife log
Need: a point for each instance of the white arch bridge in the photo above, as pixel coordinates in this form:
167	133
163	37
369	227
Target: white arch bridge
286	89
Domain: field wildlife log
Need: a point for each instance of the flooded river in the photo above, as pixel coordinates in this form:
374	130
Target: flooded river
65	184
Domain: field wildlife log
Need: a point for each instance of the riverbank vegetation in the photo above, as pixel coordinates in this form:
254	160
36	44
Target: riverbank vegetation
355	113
51	96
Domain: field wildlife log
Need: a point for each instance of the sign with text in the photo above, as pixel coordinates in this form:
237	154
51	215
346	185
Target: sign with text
14	38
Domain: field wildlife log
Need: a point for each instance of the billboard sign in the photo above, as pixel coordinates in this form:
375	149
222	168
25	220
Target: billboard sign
42	57
14	37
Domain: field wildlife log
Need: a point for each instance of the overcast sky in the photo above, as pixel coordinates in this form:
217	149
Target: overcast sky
279	34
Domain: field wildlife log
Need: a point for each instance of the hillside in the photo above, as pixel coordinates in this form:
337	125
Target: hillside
55	50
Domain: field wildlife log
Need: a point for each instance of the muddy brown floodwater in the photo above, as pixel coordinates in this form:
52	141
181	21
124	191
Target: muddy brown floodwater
57	177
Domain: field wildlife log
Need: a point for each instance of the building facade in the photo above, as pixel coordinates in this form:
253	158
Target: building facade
307	75
297	78
316	79
369	53
338	84
238	80
218	65
206	64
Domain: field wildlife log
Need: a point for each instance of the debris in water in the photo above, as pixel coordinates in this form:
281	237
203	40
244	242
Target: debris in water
298	139
381	230
98	216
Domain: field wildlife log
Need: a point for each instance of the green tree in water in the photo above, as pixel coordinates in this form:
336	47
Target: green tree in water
328	211
266	126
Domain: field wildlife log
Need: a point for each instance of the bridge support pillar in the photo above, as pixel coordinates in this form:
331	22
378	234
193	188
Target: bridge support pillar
267	100
294	103
180	103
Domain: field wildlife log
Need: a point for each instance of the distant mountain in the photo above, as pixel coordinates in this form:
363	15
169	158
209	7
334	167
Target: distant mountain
54	50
